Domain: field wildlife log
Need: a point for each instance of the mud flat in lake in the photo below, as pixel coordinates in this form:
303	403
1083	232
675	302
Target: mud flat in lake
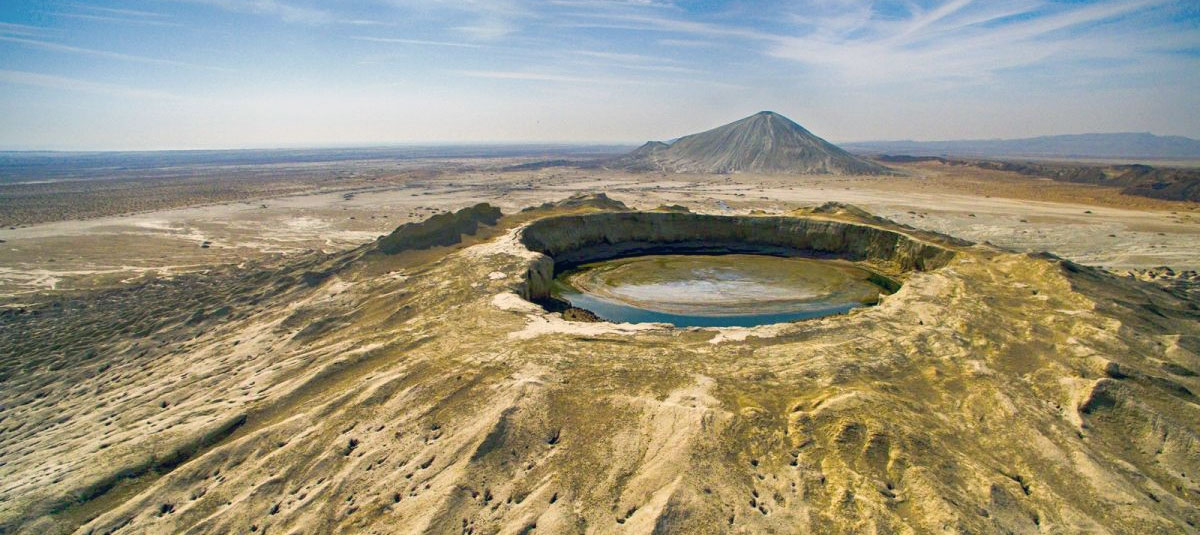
716	290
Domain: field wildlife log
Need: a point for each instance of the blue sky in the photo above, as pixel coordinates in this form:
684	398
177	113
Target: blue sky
153	74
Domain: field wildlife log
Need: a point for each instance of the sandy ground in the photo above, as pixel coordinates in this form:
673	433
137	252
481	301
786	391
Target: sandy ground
1090	225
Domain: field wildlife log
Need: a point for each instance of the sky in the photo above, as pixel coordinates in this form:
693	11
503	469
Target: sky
179	74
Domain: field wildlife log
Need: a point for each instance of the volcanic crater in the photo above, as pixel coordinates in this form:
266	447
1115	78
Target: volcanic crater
710	270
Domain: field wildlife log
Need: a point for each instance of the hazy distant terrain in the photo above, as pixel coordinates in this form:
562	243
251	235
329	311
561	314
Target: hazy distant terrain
1114	146
38	187
40	166
1159	182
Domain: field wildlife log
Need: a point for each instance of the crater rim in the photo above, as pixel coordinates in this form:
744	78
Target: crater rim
563	242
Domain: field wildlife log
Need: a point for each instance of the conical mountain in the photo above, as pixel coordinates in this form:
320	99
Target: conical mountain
763	142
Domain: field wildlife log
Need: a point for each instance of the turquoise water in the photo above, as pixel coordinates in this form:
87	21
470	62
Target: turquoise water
619	313
716	290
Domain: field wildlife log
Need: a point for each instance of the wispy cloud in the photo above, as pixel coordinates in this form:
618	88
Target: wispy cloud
690	43
110	18
856	42
57	47
366	22
592	4
85	86
618	56
923	20
866	68
125	12
962	39
488	29
641	21
547	77
638	62
482	20
663	69
8	28
115	15
419	42
274	8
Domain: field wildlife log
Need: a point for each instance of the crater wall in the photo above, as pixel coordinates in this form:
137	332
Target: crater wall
578	239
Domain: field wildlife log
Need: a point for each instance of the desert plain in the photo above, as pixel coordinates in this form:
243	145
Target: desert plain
1088	224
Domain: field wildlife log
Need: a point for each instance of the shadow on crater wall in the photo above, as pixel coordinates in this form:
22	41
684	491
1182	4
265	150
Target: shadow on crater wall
568	241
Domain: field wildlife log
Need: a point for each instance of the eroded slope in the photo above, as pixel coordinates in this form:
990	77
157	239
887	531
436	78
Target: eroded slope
763	142
418	393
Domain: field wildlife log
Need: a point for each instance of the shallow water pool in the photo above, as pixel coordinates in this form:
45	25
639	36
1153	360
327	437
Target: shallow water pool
716	290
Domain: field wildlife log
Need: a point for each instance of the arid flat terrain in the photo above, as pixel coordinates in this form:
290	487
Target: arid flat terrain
1088	224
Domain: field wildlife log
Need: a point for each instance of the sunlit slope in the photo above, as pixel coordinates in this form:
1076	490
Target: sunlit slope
416	392
763	142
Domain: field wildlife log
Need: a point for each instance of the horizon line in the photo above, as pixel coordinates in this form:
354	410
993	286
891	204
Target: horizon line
515	143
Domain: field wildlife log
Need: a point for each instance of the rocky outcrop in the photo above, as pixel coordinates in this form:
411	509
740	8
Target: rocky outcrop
598	201
1143	180
439	230
1168	183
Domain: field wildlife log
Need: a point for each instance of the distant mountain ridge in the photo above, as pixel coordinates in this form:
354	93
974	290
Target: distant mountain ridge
763	142
1128	145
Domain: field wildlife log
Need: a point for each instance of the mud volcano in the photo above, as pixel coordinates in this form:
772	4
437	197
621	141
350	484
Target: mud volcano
715	290
715	271
403	388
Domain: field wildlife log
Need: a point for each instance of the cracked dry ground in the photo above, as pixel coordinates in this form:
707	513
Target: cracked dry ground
415	393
